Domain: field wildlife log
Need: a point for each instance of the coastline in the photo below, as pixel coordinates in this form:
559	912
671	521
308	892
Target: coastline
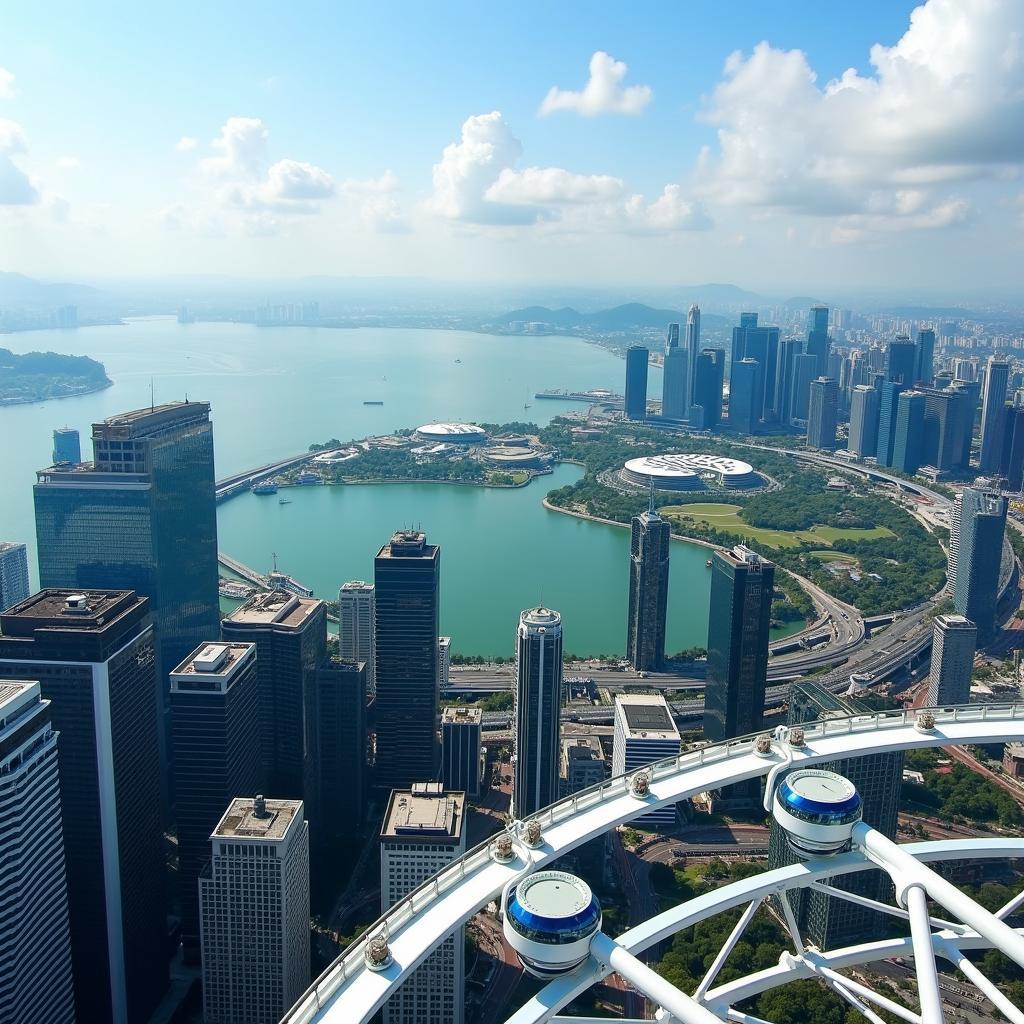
56	398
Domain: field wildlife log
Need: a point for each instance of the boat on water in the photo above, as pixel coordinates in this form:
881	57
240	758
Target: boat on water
458	360
235	591
264	487
284	501
708	563
370	402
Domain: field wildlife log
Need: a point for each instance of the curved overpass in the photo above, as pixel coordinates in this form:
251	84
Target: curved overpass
349	991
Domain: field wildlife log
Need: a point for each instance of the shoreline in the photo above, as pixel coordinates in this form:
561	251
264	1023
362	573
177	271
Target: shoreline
4	402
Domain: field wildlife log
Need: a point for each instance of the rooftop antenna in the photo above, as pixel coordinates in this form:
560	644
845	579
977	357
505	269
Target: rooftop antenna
650	505
273	555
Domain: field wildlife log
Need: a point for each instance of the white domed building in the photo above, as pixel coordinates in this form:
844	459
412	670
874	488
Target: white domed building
690	472
451	433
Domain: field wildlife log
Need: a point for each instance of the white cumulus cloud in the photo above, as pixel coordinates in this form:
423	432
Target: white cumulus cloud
186	144
16	188
243	145
945	104
603	93
547	185
7	89
669	212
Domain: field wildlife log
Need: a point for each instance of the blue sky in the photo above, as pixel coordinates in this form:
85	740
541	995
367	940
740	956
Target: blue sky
687	164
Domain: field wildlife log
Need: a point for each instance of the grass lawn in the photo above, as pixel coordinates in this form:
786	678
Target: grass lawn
726	517
831	556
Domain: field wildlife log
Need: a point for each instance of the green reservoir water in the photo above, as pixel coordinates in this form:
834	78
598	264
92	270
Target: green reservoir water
275	390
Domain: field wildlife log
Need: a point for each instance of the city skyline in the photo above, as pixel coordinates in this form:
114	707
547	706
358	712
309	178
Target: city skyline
576	152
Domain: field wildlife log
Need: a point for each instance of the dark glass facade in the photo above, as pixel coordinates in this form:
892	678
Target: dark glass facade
819	344
98	669
708	385
407	577
831	923
900	361
636	382
924	359
538	709
908	444
648	591
822	413
215	722
341	730
743	396
675	378
979	556
887	412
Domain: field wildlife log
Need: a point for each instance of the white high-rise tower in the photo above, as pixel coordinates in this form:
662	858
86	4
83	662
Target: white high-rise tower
357	627
692	349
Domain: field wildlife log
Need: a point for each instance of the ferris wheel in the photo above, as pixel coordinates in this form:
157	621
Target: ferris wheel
553	920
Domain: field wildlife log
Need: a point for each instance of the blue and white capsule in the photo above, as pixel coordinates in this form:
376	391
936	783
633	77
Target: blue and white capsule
550	919
817	809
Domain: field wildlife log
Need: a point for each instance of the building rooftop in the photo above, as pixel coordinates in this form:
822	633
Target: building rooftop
278	608
426	813
646	717
67	609
11	691
588	747
257	819
357	585
9	545
462	716
408	544
156	415
215	664
954	622
1014	750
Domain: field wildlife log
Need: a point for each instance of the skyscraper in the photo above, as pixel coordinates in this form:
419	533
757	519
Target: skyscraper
215	726
93	655
290	635
743	381
943	416
142	516
538	710
708	385
822	414
461	732
742	584
675	378
924	358
979	555
954	641
888	410
830	922
762	344
644	733
636	382
14	583
67	448
35	948
1012	463
692	347
255	948
648	590
955	515
341	741
357	628
407	573
424	830
863	422
789	349
996	376
818	342
908	443
900	360
805	369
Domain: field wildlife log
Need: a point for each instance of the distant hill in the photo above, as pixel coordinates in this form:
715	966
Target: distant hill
21	292
719	295
631	316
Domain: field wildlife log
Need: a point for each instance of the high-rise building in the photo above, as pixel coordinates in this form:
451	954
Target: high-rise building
141	516
1012	463
954	642
742	584
93	655
924	357
583	764
67	448
743	381
708	384
908	443
461	743
675	378
341	741
290	635
822	413
762	344
444	662
407	573
538	711
636	382
789	349
692	347
863	422
888	409
423	831
996	376
979	556
215	723
943	415
255	946
14	582
356	628
644	733
829	922
648	589
35	947
805	369
818	342
955	515
900	360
